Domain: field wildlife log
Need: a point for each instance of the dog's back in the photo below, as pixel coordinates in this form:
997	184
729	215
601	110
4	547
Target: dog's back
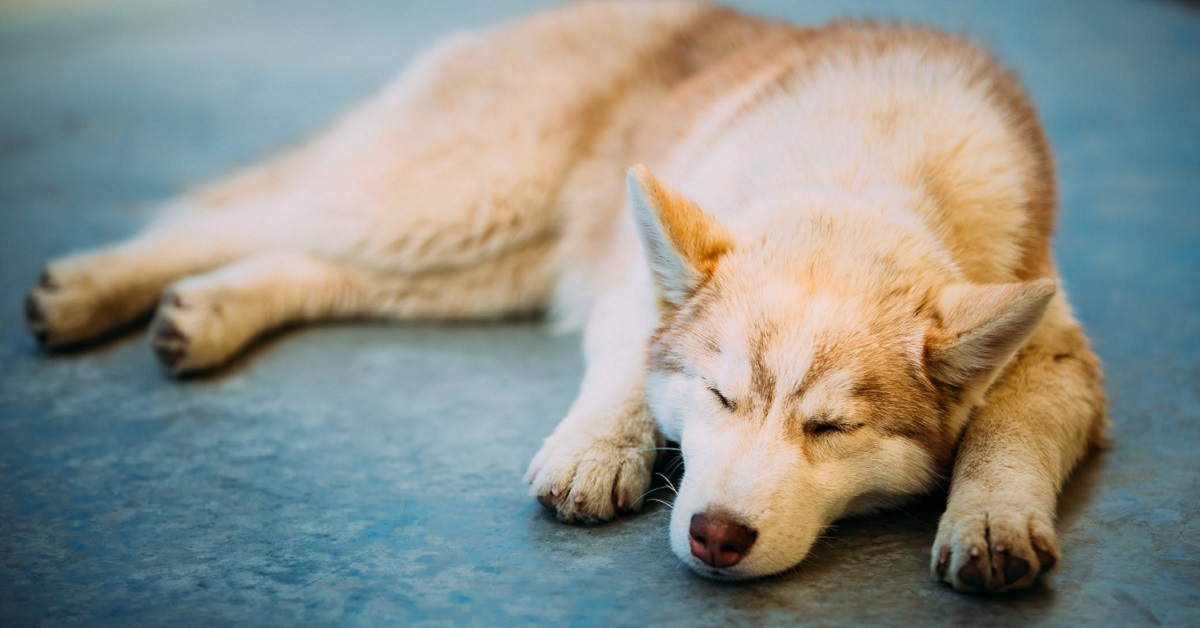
858	104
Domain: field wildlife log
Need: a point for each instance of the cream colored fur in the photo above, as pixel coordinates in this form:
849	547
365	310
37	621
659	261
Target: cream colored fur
832	286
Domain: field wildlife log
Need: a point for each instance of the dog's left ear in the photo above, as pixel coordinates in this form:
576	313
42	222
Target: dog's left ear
983	326
681	241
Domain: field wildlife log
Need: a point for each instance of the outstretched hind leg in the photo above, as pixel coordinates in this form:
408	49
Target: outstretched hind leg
205	320
88	295
445	177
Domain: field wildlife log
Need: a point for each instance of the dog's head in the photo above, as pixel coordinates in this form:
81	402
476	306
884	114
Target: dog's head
808	375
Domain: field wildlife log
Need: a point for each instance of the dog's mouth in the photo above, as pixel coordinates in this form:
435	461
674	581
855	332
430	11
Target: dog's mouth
712	573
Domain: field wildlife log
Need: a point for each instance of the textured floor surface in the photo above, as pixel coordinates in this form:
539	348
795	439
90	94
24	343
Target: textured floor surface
371	474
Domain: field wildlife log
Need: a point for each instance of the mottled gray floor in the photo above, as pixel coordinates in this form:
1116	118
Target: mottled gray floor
371	474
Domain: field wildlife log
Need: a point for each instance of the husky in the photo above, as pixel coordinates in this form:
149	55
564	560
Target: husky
817	259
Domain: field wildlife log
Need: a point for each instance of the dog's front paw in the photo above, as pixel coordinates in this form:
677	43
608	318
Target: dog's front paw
584	479
994	549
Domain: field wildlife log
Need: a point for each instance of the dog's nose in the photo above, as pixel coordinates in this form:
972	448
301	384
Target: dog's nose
719	539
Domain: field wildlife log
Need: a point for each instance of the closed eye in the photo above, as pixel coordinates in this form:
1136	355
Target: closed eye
721	398
822	427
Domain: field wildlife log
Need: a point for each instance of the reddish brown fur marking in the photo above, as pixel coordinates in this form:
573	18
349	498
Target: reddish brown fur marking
762	380
693	233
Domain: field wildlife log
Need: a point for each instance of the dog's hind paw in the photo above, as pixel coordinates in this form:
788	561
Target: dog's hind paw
191	331
86	297
60	312
589	480
994	550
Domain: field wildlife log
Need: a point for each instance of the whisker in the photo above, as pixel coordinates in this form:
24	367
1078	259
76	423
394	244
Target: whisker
649	492
794	569
675	465
824	541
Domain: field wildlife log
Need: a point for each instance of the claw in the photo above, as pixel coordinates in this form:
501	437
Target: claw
167	330
46	282
943	563
35	319
169	344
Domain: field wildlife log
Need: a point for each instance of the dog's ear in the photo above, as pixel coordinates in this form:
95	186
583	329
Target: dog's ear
681	241
982	326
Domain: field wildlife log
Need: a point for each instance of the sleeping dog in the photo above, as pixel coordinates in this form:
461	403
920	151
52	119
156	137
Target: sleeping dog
817	259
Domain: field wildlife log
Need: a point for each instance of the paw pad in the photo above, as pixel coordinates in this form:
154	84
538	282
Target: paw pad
1013	567
971	573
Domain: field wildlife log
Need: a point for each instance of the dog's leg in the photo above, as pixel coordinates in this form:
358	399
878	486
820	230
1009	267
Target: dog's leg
88	295
1038	421
206	319
597	463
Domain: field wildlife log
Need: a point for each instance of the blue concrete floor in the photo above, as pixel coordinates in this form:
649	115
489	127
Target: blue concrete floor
371	474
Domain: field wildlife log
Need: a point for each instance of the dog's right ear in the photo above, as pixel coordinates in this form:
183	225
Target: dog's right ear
982	326
681	241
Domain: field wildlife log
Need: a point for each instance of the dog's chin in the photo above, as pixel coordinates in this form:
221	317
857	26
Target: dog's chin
737	572
715	573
